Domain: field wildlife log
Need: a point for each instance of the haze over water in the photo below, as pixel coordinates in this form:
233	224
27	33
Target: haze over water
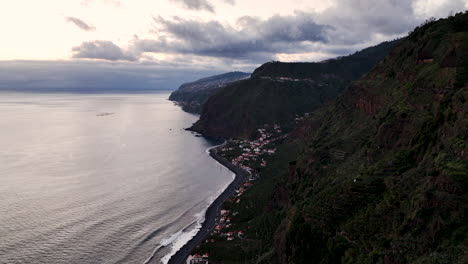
99	178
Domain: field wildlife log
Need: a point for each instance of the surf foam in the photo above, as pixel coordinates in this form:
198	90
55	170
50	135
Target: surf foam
181	238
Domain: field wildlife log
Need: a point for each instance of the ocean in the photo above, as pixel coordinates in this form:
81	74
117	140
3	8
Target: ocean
100	178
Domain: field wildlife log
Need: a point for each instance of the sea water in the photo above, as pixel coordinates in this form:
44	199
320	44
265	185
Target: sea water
100	178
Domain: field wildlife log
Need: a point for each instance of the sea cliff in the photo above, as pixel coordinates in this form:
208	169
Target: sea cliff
378	175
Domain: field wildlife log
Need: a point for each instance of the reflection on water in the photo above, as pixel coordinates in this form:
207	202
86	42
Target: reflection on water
102	178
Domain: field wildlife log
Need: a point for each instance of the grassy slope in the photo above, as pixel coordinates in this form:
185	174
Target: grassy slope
380	175
259	215
237	110
384	177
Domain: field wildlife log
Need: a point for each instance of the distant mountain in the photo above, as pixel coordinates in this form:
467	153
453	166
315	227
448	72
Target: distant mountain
191	96
277	91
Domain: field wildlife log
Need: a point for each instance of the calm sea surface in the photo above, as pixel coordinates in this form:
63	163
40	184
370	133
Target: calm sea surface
100	178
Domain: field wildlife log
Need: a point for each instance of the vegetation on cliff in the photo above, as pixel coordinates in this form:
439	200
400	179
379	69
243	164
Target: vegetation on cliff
378	176
277	91
191	96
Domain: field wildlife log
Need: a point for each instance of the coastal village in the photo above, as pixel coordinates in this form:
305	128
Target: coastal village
251	156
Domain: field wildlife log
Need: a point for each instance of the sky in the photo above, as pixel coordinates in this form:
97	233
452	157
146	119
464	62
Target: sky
162	43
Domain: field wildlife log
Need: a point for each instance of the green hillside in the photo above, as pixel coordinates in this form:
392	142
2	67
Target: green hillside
378	176
278	91
191	96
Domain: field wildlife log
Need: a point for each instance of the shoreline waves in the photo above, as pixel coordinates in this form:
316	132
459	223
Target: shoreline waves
101	194
211	214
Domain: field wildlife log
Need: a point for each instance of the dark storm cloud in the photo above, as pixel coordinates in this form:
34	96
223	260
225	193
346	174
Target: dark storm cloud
252	38
94	76
348	26
80	23
101	49
197	5
352	23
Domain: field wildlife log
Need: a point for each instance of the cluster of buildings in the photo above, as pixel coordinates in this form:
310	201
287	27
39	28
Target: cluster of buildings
243	188
286	79
252	155
197	259
225	223
301	118
252	151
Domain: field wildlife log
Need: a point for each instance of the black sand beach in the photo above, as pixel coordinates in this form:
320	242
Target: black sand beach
213	211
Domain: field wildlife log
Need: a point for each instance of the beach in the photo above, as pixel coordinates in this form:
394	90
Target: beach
213	211
101	194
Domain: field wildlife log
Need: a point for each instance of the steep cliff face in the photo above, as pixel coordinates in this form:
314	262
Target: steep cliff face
276	92
384	174
191	96
241	108
378	176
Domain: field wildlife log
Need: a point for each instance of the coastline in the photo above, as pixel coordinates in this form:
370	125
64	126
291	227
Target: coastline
213	212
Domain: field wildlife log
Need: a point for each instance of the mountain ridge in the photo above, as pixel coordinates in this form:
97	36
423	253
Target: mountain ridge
379	175
191	96
278	91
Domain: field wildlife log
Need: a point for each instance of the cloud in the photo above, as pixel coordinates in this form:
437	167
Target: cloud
351	23
251	38
80	23
438	8
340	29
101	49
198	4
359	21
94	76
